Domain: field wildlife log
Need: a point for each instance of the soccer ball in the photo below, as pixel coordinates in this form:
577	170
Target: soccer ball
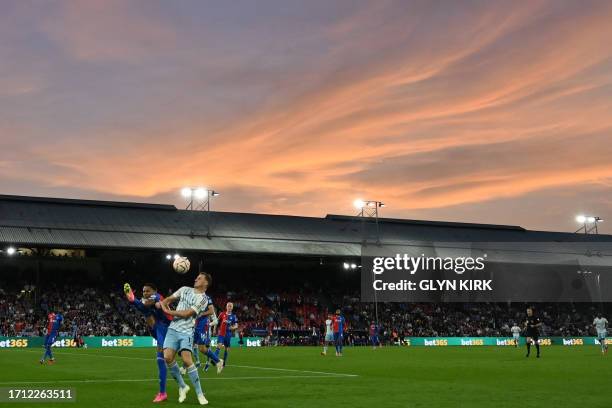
181	265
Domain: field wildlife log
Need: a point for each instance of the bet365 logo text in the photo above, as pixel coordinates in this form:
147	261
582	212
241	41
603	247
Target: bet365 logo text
65	343
435	343
253	343
118	343
11	343
472	342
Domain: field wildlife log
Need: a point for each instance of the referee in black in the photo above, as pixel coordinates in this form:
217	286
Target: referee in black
532	331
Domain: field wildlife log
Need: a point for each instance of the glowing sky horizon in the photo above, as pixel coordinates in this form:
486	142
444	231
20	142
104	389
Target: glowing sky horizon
495	112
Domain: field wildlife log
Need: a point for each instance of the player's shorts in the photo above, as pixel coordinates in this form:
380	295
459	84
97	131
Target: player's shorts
178	341
329	337
533	334
202	338
374	339
602	334
225	340
50	339
516	336
338	337
159	332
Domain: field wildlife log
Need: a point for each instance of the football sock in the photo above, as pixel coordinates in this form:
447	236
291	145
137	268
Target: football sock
212	356
192	371
224	357
162	371
528	347
537	346
174	371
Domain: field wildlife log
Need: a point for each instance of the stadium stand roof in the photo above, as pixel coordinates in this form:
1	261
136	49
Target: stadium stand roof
70	223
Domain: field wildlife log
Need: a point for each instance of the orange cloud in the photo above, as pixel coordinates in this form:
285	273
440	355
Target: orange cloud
420	108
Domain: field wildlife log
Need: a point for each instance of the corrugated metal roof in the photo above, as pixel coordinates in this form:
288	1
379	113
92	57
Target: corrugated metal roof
84	223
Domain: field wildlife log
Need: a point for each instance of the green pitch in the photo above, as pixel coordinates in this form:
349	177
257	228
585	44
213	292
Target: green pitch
300	377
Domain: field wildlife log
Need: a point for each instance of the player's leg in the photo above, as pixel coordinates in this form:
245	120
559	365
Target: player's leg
336	344
340	343
171	345
528	343
162	370
49	350
186	347
536	341
602	342
196	356
162	374
219	344
209	354
226	347
206	351
45	353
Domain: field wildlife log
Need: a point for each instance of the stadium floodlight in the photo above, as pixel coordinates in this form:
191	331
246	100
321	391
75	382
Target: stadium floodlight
176	256
346	265
589	223
353	266
200	193
11	250
198	198
186	192
369	209
168	256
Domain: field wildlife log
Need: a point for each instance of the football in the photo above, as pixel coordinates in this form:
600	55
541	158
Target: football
181	265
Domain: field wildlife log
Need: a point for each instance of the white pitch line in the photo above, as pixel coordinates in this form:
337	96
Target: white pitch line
277	377
327	373
92	355
295	371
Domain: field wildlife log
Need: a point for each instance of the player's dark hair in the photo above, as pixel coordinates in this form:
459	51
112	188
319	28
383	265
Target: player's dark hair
208	278
152	286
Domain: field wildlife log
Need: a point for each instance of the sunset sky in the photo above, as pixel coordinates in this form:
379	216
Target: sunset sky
476	111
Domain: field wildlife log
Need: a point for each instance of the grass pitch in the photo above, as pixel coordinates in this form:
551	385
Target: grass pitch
300	377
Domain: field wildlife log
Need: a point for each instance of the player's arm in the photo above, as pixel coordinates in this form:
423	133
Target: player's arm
181	313
149	302
165	304
210	310
214	320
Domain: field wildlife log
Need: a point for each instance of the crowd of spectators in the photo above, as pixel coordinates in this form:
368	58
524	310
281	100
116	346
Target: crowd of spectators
93	312
288	318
